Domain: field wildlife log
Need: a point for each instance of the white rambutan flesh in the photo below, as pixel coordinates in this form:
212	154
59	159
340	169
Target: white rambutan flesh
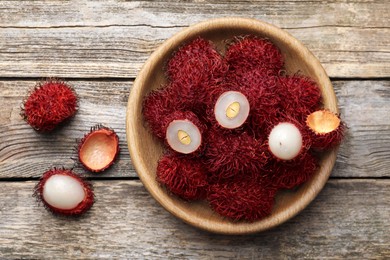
231	109
183	136
63	192
285	141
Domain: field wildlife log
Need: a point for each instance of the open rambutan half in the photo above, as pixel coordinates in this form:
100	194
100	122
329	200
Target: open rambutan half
182	176
63	192
327	129
49	104
184	132
98	149
244	198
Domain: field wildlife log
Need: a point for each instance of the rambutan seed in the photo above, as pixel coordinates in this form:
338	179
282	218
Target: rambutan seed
49	104
63	192
327	129
98	149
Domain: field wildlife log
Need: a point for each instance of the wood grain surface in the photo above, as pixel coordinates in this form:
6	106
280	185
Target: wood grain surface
348	220
99	47
114	38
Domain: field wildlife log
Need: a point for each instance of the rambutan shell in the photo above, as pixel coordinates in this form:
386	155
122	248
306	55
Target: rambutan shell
98	149
326	128
81	208
49	104
183	176
244	198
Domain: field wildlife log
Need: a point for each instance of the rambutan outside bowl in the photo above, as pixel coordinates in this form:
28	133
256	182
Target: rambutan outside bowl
145	149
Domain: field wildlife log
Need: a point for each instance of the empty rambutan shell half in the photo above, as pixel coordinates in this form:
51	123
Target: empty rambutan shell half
98	149
49	104
231	109
327	129
64	192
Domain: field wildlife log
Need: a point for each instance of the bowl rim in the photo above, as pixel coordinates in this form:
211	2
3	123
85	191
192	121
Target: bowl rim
133	108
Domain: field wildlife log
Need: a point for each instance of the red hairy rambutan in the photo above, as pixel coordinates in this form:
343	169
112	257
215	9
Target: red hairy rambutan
242	198
182	176
289	174
300	96
327	129
63	192
184	132
195	66
251	52
229	154
49	104
98	149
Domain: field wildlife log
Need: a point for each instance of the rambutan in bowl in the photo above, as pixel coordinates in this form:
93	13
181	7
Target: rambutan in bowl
146	150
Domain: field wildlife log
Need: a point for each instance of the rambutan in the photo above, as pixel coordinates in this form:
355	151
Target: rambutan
327	129
288	140
290	174
63	192
49	104
300	96
184	132
98	149
195	66
229	154
182	176
243	198
251	52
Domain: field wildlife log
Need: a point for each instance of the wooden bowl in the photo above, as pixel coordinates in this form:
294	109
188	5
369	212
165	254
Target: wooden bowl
145	150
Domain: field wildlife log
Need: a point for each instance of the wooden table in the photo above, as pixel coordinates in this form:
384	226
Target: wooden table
99	46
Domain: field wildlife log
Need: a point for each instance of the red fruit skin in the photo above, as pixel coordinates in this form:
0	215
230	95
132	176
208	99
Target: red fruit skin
49	104
85	205
327	141
252	52
242	198
183	176
99	129
230	154
290	174
194	67
299	96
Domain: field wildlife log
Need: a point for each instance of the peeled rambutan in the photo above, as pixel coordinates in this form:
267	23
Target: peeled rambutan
327	129
98	149
242	198
195	66
184	132
300	96
49	104
251	52
182	176
229	154
63	192
290	174
288	140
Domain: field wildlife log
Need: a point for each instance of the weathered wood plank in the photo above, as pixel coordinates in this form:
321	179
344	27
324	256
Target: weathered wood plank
113	39
348	220
364	105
